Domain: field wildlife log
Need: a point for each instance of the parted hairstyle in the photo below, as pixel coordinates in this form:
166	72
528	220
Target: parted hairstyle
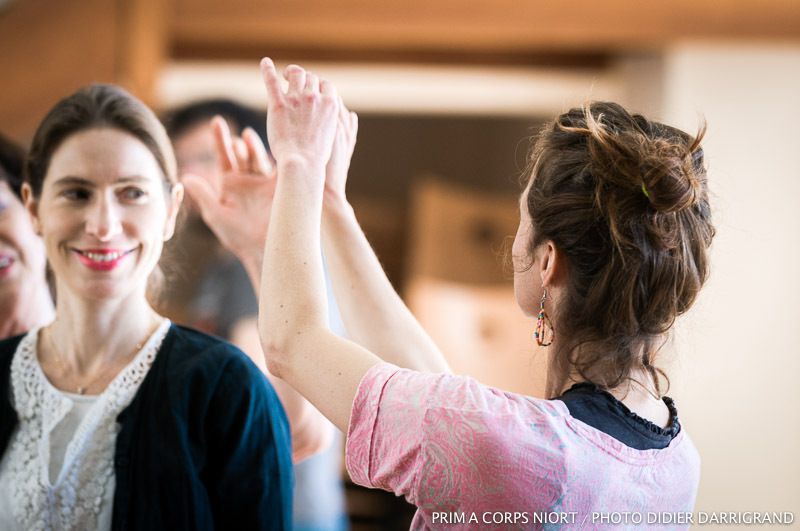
97	106
625	199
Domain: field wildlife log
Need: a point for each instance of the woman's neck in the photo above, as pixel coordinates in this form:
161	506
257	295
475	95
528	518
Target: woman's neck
639	395
89	334
23	309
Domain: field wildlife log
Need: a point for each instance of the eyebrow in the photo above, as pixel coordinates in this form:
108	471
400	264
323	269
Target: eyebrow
80	181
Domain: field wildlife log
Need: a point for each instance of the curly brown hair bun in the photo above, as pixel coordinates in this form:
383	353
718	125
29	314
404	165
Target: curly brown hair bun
626	201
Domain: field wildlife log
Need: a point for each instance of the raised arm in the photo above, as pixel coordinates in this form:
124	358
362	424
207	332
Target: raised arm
326	369
237	210
237	207
373	313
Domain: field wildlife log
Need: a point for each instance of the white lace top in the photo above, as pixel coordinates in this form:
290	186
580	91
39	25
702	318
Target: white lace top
75	497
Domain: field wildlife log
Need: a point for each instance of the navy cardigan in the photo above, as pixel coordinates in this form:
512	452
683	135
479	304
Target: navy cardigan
204	444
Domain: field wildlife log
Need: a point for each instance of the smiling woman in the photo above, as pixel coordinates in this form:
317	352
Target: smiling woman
107	212
111	417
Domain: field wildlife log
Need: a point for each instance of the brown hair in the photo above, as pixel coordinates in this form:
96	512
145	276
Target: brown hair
97	105
625	200
11	157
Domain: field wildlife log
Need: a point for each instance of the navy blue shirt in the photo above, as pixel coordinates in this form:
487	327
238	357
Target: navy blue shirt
602	411
204	444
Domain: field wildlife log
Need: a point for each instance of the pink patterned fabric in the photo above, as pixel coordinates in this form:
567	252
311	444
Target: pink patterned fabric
458	449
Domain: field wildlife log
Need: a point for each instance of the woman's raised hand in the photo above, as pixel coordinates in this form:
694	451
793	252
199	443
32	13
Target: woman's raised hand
237	207
343	144
301	120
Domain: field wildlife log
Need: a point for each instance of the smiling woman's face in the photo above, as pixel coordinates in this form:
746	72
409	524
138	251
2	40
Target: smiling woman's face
104	214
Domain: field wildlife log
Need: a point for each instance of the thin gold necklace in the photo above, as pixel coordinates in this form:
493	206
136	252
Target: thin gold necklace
81	389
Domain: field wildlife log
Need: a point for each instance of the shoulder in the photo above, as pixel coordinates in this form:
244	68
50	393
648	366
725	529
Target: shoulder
185	350
394	400
426	425
388	383
199	364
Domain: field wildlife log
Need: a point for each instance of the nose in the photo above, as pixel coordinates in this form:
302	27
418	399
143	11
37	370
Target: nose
103	219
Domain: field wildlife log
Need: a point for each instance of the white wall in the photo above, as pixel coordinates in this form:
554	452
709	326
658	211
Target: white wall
737	380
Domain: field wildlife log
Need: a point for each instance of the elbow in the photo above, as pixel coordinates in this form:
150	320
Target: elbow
277	349
283	342
278	357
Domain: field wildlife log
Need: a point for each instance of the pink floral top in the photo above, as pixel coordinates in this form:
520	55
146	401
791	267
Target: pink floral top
470	456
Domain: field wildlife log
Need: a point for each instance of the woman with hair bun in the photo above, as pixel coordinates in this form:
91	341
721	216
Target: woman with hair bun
611	247
111	417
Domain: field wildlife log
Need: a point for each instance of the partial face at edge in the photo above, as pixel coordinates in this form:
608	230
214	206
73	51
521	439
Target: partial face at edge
196	153
104	213
22	257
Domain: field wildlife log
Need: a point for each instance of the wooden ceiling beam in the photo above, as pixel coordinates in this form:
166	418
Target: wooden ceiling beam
460	28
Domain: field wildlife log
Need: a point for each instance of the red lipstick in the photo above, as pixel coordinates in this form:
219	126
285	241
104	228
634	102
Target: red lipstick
101	259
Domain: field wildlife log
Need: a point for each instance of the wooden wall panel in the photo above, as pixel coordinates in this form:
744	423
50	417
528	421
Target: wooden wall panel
458	234
49	48
143	48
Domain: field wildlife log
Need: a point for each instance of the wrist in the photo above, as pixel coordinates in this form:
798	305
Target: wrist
336	205
299	164
334	199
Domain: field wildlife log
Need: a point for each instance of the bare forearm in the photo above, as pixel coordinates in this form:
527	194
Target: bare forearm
293	328
292	295
373	313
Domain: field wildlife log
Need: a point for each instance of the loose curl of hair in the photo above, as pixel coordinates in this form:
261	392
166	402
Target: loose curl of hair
625	200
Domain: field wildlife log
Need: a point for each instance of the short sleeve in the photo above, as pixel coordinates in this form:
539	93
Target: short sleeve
371	459
404	426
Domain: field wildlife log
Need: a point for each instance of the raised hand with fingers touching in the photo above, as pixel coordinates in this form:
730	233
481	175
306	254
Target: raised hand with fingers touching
343	145
237	206
302	123
301	120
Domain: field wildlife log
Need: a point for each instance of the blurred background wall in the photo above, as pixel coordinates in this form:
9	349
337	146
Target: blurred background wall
448	94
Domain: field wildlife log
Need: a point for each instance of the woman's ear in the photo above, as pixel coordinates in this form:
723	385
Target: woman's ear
551	264
32	206
174	206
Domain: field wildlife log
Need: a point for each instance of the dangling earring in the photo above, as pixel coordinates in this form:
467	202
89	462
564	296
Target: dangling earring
542	323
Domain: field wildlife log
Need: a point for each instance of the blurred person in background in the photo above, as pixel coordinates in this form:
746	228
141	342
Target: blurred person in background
25	301
612	246
224	302
111	417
